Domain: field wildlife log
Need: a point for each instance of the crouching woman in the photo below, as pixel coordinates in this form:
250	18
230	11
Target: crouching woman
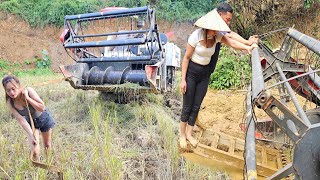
21	101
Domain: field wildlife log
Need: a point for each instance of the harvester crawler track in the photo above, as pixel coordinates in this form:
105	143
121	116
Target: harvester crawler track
229	150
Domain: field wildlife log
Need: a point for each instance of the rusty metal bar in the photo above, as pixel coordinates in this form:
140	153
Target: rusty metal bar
307	41
120	12
250	145
284	172
257	87
301	113
257	75
116	42
119	59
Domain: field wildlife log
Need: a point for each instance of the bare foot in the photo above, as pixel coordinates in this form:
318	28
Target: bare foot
35	157
183	142
192	141
196	128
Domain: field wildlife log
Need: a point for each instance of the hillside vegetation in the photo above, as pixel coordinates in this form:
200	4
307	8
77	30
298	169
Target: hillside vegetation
250	15
43	12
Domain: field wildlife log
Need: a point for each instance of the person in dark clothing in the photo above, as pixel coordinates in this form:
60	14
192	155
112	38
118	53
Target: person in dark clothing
226	13
196	68
17	98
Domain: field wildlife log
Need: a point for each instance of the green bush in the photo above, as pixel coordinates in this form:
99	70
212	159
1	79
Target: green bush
231	71
43	12
309	3
15	68
4	67
45	61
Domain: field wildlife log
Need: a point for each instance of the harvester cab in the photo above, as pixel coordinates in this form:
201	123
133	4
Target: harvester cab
119	47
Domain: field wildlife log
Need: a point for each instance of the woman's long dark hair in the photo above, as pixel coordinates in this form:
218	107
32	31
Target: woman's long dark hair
7	79
205	37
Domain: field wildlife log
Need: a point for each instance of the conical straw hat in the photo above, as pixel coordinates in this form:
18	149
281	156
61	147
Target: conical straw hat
212	20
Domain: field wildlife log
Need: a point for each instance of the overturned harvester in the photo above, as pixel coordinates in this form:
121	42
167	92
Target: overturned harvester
294	67
118	46
294	123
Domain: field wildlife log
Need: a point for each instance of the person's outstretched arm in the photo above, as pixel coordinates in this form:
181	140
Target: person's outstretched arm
237	45
237	37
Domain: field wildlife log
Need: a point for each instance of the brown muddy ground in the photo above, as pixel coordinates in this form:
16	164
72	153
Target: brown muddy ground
20	43
223	111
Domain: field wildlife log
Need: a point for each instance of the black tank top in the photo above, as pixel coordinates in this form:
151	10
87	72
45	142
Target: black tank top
24	112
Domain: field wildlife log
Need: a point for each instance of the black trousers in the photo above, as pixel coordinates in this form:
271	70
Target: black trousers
197	79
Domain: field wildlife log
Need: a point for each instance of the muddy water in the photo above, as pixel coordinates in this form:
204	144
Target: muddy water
235	174
214	165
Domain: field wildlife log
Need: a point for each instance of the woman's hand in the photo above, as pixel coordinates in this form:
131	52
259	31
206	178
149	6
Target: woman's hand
183	86
33	140
250	48
25	92
254	39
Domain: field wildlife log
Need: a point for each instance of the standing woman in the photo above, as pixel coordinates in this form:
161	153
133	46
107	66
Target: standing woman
196	70
16	98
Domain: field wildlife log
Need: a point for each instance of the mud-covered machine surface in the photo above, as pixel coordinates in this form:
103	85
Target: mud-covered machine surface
119	47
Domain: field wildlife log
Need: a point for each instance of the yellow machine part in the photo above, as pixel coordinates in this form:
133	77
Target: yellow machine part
225	152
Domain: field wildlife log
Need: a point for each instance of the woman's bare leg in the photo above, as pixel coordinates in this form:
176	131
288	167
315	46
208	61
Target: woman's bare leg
47	142
183	137
192	140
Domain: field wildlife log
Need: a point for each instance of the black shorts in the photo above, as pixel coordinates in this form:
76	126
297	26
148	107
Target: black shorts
44	122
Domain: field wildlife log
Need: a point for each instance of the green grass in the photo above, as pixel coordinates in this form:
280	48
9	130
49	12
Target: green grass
15	68
96	139
4	65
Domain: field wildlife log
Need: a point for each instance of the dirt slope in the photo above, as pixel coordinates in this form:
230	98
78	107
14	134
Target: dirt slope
19	42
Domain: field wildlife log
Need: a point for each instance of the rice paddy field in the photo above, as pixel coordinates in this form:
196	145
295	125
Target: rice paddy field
99	139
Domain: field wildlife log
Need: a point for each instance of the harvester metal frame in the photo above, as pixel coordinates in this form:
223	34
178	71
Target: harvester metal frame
150	69
302	128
